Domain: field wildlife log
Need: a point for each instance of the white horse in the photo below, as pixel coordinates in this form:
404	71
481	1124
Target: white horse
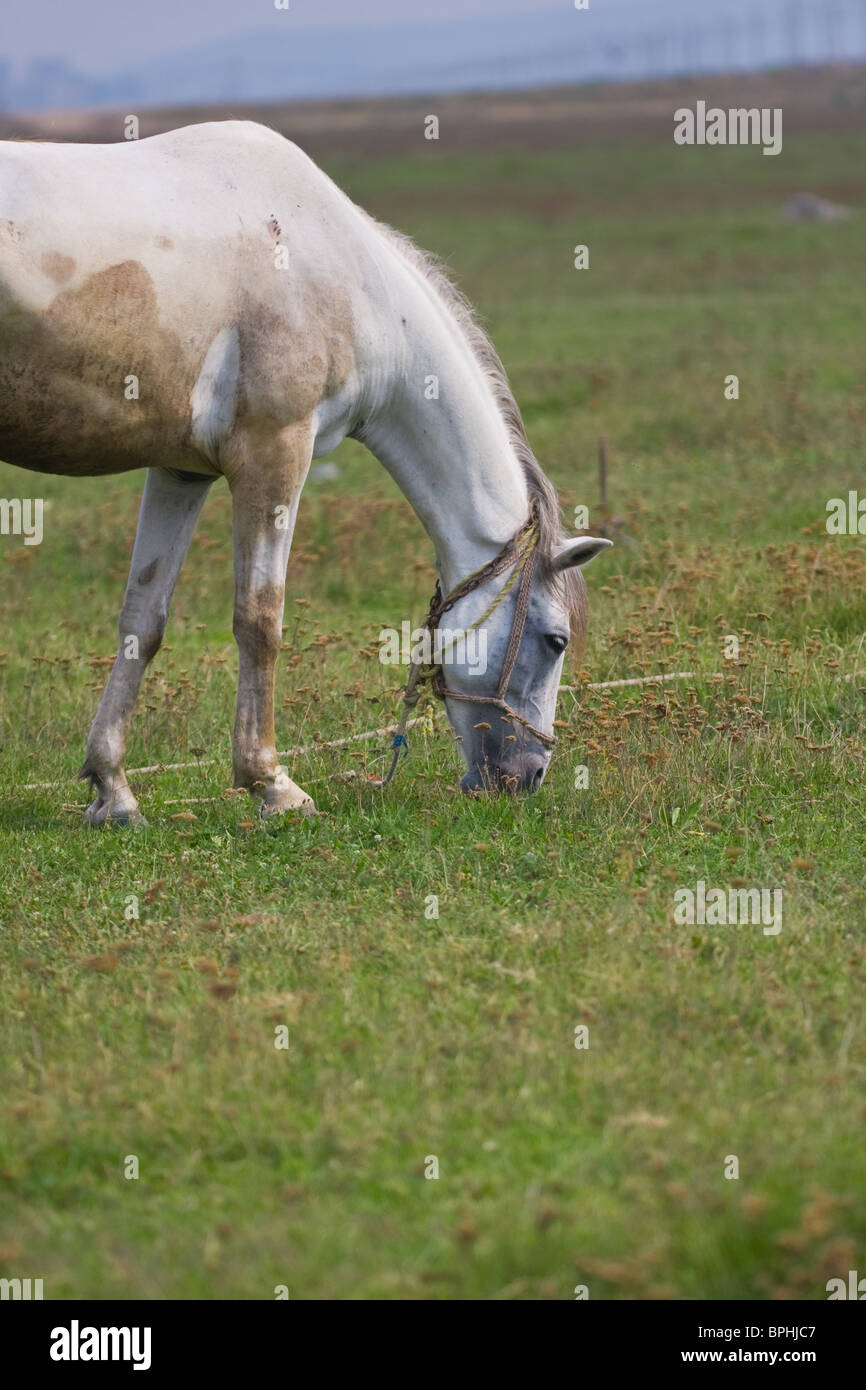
208	303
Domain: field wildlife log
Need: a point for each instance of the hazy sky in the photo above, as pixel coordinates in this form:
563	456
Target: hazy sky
96	34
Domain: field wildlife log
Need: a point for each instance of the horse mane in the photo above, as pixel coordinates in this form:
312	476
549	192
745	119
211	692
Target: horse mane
569	583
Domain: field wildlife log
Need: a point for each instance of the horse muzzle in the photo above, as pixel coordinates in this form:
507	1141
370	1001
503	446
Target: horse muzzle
523	775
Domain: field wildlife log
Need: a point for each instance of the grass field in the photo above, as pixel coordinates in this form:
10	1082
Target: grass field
410	1036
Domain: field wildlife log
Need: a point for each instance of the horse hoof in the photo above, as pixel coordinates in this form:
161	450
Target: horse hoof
305	808
280	795
99	814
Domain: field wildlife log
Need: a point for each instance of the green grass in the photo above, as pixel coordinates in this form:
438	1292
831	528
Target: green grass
453	1036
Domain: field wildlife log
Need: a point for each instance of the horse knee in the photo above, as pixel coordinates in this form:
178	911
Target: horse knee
141	634
258	631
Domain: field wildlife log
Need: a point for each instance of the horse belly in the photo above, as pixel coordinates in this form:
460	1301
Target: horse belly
93	383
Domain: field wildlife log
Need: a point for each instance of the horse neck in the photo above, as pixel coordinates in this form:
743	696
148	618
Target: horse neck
451	456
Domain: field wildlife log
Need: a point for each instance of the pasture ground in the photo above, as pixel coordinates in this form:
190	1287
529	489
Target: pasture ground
409	1036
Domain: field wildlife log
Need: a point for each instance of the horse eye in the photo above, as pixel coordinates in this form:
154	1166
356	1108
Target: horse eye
557	642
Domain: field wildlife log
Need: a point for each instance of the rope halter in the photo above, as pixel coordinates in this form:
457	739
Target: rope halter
519	554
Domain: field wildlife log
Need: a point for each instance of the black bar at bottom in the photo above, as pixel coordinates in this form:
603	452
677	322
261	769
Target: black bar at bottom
66	1339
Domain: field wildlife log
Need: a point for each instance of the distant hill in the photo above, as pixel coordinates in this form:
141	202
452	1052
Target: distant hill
619	40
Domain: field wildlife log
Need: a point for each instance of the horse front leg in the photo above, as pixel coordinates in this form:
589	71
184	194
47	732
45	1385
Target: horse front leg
170	508
266	486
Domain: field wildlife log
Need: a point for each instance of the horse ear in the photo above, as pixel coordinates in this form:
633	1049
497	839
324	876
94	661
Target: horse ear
579	551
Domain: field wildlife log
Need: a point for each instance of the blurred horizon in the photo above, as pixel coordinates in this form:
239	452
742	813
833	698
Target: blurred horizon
98	57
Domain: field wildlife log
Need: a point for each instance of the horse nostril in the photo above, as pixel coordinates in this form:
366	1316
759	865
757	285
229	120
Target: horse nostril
537	779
